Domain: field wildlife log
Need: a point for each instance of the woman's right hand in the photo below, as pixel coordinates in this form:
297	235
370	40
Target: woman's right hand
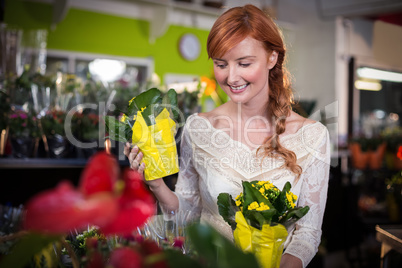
134	156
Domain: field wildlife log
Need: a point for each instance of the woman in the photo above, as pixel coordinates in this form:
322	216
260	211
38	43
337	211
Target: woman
254	136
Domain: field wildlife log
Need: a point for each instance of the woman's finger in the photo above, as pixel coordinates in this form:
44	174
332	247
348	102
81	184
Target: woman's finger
133	154
141	168
127	149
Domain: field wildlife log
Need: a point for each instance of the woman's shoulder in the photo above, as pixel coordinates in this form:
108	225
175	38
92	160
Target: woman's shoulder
217	117
296	122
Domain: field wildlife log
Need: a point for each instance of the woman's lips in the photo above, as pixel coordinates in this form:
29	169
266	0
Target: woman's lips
238	89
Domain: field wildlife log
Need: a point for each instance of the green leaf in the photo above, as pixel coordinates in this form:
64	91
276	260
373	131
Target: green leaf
26	248
258	218
177	259
294	215
251	194
171	99
280	202
227	208
148	98
216	250
117	130
132	109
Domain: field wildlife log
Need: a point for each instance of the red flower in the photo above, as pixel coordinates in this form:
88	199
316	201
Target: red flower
136	206
94	202
125	258
63	208
399	153
99	175
149	248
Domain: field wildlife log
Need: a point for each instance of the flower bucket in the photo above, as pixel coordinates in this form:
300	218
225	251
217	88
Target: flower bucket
59	146
22	147
267	244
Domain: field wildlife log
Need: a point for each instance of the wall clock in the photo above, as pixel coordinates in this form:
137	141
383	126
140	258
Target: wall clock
189	47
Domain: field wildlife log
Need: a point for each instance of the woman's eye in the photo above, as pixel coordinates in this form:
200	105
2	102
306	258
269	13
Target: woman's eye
244	64
220	65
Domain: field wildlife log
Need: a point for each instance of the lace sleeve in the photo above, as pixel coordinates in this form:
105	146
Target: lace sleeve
307	235
187	189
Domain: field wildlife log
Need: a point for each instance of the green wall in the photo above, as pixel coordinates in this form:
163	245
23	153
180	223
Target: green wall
86	31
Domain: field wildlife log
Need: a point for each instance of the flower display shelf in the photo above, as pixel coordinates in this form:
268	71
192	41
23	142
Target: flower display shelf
37	163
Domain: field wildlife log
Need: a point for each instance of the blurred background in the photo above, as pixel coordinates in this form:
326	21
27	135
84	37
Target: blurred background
70	62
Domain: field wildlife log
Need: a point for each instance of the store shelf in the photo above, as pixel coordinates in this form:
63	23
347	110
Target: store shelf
38	163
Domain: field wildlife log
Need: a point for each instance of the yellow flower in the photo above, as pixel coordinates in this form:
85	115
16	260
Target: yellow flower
258	207
289	196
262	190
262	207
238	203
269	186
123	118
253	206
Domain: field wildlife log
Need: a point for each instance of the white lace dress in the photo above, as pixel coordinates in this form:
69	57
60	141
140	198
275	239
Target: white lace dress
211	163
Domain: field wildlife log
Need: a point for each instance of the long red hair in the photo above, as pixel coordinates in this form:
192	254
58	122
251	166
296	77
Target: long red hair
231	28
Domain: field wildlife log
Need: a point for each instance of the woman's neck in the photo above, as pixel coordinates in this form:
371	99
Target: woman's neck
251	116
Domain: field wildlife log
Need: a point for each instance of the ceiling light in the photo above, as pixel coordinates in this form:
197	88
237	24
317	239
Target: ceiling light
379	74
107	70
368	85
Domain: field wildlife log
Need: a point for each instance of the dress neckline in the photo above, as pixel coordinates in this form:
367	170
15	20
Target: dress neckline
283	138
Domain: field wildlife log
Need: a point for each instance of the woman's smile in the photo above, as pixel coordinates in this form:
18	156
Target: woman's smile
238	89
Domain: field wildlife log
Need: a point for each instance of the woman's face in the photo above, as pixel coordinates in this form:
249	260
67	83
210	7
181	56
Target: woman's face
243	72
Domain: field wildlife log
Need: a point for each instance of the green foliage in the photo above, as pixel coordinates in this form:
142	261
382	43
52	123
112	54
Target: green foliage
53	123
26	248
22	124
150	103
261	203
209	249
368	144
227	208
117	130
5	108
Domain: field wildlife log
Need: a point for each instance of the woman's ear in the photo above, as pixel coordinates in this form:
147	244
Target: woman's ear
272	59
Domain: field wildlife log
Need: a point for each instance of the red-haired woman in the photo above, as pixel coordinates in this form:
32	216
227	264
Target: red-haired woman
254	136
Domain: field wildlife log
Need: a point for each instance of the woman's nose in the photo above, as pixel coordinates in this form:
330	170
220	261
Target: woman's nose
233	75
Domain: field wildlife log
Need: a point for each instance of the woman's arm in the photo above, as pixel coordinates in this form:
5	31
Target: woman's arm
307	234
290	261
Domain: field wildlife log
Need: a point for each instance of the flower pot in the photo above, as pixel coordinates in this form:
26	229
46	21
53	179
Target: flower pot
360	159
59	146
376	157
22	147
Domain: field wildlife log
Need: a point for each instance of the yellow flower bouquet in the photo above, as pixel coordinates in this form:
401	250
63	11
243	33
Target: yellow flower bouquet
150	123
259	217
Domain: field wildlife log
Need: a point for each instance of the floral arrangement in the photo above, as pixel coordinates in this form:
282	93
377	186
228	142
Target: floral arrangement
149	122
53	122
22	124
101	222
259	217
87	125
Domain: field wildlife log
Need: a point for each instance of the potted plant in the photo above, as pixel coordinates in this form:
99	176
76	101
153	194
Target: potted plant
23	132
53	128
86	126
367	152
393	139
